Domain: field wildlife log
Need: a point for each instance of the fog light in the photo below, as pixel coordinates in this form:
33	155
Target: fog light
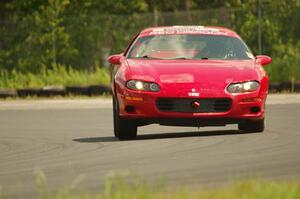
255	109
129	109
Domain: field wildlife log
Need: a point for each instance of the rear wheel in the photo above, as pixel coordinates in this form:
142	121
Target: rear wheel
252	125
124	129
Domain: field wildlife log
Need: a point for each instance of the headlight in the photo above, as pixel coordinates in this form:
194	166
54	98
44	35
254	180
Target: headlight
142	86
243	87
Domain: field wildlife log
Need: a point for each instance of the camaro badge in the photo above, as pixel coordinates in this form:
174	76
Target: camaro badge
193	93
195	105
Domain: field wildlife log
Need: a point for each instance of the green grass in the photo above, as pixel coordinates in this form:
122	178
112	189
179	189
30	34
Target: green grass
247	189
133	187
58	76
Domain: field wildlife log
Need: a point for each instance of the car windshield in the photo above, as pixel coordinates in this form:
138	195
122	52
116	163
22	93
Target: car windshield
189	47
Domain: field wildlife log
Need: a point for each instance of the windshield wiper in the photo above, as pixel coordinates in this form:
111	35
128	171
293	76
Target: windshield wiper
183	58
148	57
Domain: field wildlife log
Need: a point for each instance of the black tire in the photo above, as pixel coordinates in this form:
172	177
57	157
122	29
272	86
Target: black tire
124	129
252	125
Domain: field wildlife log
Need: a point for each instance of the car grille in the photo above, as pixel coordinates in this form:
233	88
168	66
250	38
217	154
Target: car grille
214	105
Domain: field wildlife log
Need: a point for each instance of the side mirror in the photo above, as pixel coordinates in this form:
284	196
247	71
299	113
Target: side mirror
115	59
263	59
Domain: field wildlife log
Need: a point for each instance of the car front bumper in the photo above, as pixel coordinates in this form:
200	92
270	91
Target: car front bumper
142	106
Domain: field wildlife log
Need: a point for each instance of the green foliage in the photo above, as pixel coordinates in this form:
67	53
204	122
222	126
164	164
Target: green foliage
40	34
246	23
280	33
57	76
286	63
47	41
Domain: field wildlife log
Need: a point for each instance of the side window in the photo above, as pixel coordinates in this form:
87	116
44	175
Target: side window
136	49
131	44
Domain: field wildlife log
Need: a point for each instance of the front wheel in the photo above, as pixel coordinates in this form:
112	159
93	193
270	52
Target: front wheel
252	125
124	129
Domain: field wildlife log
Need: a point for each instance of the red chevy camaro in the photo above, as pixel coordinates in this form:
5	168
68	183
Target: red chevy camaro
188	76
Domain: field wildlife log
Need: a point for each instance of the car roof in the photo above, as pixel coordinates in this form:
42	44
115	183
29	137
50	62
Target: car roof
190	30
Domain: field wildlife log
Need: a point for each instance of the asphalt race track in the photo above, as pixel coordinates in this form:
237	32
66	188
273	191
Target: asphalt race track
74	140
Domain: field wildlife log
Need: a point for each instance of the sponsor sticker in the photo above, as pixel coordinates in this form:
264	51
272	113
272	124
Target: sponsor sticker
187	30
194	93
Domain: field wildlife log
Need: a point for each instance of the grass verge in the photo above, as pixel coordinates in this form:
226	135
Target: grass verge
133	187
58	76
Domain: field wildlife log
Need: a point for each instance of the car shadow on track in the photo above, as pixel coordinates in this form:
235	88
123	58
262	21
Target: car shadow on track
162	136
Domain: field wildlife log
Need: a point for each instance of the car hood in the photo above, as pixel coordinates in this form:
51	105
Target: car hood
204	75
